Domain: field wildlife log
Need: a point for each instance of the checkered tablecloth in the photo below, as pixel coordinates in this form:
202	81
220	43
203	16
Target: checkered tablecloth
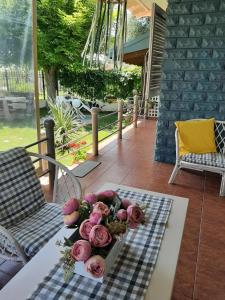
132	271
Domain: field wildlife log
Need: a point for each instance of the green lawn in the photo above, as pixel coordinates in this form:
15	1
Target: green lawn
22	132
19	133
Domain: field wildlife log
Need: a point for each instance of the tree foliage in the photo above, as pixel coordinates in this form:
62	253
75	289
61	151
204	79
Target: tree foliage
15	32
136	27
63	26
97	84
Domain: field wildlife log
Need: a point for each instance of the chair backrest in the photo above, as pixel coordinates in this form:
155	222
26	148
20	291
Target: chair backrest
20	189
219	138
59	99
76	102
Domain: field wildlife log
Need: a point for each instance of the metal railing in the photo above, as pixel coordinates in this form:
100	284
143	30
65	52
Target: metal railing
96	129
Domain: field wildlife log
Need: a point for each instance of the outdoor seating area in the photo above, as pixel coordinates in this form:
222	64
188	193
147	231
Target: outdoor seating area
112	150
200	262
211	160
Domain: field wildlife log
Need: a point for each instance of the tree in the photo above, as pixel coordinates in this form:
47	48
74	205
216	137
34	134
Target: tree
15	33
136	27
63	26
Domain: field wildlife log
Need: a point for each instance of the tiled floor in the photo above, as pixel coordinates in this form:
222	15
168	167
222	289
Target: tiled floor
201	268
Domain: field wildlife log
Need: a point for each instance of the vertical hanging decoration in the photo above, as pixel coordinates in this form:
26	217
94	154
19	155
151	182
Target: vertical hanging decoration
107	35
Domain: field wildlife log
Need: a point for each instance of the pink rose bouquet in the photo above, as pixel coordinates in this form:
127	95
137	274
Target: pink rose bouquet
85	229
99	220
71	219
81	250
122	214
95	218
99	236
70	206
101	208
95	266
90	198
135	215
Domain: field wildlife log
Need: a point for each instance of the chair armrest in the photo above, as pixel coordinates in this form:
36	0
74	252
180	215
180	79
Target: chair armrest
62	173
177	146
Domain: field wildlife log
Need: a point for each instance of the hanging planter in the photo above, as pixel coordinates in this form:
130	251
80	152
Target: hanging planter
107	34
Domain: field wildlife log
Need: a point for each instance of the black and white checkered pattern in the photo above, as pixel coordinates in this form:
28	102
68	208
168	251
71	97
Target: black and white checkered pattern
20	189
34	231
207	159
129	279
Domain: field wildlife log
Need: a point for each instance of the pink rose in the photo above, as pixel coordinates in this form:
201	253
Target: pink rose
106	194
90	198
122	214
126	203
95	265
95	217
71	219
133	225
85	228
70	206
81	250
101	208
99	236
135	215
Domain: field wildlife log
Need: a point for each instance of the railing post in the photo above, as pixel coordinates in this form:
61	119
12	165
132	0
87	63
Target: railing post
146	109
135	113
49	125
44	151
94	114
120	118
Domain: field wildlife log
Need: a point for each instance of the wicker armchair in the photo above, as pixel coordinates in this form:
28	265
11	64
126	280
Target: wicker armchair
27	221
212	162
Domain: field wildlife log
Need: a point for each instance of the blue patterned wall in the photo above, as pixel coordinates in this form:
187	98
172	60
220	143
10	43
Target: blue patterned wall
193	71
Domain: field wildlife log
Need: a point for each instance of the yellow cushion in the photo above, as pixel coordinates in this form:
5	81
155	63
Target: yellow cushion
196	136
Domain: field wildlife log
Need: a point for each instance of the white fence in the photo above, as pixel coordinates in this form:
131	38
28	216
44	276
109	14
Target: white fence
153	112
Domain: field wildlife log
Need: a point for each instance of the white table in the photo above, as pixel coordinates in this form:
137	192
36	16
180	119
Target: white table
161	284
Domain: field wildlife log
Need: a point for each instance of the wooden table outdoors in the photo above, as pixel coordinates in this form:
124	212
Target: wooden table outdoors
161	284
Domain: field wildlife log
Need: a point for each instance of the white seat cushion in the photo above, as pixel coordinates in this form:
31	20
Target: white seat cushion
207	159
35	230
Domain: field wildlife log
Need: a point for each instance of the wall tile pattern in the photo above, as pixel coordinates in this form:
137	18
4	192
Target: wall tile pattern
193	72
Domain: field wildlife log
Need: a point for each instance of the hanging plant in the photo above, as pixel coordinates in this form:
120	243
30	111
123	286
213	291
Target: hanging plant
107	34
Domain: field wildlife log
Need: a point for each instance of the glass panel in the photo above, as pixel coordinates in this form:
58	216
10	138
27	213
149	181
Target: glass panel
17	113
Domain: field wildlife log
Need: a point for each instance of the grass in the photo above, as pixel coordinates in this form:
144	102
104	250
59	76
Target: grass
68	160
14	134
22	132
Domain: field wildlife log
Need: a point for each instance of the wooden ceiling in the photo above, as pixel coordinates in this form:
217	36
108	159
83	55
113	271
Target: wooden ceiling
135	58
142	8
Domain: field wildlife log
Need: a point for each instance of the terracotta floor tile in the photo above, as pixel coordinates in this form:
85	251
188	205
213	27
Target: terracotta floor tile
178	295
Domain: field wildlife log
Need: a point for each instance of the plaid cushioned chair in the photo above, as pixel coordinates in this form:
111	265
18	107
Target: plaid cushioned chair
212	162
27	222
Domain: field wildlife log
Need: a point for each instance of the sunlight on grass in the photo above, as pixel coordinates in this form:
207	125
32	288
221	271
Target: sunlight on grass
15	134
21	133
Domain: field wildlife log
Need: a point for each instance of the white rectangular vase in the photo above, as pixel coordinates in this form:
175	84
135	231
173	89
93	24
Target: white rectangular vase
109	261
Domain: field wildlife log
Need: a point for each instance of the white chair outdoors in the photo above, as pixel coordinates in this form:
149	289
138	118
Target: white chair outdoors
212	162
74	103
27	222
61	100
